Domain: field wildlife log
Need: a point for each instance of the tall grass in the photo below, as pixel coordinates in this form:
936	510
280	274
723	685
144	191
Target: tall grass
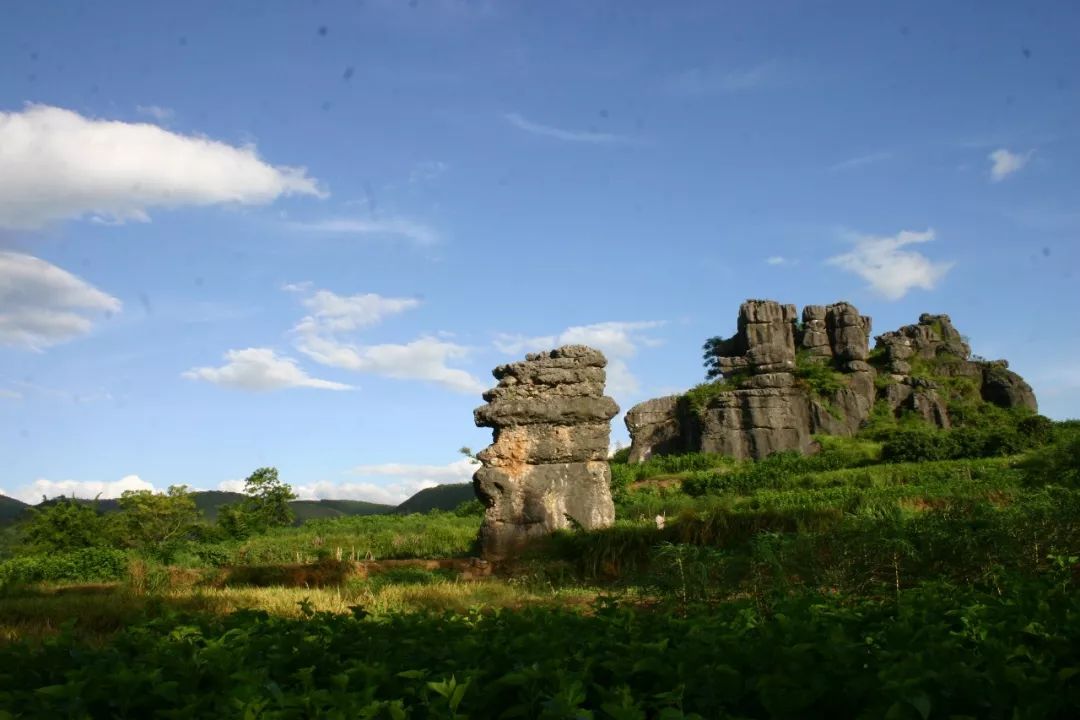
373	537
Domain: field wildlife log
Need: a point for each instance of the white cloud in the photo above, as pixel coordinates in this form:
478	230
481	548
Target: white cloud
42	304
890	270
1004	163
580	136
337	313
10	395
776	260
56	164
390	483
300	287
318	336
231	486
79	488
860	161
425	358
394	227
712	80
617	340
260	369
157	112
458	471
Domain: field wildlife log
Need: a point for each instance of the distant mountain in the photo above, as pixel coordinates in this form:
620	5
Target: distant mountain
317	509
210	500
440	497
11	509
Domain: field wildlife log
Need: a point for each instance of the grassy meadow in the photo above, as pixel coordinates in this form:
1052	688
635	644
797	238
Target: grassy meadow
844	584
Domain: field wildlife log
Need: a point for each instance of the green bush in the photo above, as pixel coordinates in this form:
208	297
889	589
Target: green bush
1058	464
818	376
83	565
1007	435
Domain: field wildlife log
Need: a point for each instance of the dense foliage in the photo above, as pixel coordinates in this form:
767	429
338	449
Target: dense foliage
939	651
839	584
266	506
85	565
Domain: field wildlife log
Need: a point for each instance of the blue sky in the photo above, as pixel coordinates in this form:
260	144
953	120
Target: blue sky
301	235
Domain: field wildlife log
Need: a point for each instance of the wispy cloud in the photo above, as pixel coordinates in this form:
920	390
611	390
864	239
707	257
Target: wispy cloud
321	337
777	260
260	370
619	341
711	80
890	270
42	304
1004	163
578	136
393	227
427	171
390	483
860	161
56	164
157	112
340	313
10	394
425	358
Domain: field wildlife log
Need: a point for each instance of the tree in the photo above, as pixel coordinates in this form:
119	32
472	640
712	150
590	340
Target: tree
63	524
156	521
266	505
715	348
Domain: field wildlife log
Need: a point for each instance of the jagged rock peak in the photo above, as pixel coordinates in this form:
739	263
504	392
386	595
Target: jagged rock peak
547	467
772	398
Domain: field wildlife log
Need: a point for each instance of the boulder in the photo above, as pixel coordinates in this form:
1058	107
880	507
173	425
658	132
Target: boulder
1004	388
656	426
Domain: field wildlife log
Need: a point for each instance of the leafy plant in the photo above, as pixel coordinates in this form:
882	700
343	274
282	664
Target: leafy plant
266	505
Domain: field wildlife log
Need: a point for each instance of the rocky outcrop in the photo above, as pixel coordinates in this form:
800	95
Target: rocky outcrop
657	428
1003	387
547	466
784	382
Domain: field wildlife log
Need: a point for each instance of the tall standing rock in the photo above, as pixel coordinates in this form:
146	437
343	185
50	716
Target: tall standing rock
547	467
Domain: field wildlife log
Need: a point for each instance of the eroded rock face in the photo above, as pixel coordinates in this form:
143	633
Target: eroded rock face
547	467
774	405
658	426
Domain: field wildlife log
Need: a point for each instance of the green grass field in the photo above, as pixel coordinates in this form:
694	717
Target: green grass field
831	586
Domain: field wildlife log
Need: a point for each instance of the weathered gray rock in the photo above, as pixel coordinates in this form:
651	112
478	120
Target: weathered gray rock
1003	387
848	332
920	398
547	466
765	341
815	335
933	336
754	423
772	406
657	427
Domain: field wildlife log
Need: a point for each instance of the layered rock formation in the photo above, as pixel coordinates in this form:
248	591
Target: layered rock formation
547	467
784	381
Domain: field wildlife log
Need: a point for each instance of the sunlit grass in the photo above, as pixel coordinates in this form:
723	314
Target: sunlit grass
97	611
